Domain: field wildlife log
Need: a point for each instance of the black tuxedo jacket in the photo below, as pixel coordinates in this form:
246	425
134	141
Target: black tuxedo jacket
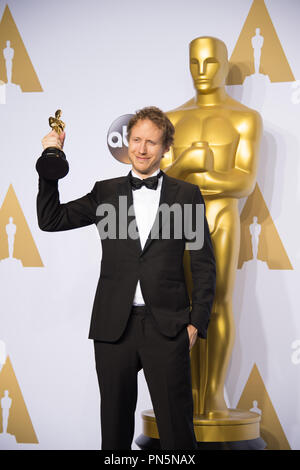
158	266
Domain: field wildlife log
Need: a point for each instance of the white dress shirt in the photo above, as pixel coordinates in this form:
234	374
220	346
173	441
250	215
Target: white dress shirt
145	203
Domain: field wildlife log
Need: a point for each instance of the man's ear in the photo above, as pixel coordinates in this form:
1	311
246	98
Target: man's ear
165	151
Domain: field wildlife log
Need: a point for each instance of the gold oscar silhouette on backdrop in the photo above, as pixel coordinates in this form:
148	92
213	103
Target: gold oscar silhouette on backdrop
216	147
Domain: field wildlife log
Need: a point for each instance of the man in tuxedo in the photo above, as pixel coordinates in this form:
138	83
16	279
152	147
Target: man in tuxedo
142	316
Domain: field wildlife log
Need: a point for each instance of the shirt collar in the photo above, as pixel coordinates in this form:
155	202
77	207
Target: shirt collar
137	176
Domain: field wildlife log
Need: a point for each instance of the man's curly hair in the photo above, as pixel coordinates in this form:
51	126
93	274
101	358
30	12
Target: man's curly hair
158	118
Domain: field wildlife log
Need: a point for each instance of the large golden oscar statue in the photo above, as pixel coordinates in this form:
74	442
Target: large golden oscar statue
216	147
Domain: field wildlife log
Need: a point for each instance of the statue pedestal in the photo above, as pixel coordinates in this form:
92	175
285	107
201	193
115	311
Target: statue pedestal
12	92
237	429
9	92
6	439
11	263
2	92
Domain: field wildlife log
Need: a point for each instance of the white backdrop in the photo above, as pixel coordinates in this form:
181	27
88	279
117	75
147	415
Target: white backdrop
98	60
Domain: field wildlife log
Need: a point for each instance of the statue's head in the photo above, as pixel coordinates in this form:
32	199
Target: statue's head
208	63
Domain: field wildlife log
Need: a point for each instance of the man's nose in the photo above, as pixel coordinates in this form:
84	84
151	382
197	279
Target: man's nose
143	148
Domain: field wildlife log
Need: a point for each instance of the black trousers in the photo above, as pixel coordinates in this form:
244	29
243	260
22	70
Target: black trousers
166	365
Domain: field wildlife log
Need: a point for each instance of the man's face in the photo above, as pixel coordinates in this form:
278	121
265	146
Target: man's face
208	65
145	147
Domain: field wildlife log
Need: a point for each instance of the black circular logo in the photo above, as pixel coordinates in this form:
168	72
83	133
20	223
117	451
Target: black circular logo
117	138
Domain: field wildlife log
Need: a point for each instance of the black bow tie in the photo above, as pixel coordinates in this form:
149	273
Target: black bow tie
150	183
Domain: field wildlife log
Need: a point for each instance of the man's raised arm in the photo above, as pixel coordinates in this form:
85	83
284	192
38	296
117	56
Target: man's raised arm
54	216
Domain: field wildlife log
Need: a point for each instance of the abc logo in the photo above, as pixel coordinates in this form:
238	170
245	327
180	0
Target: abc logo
117	138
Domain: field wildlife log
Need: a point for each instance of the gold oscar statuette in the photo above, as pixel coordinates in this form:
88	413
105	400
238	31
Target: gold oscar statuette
216	147
53	164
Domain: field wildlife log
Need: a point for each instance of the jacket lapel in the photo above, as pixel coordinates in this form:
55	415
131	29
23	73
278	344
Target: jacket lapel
167	196
128	215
